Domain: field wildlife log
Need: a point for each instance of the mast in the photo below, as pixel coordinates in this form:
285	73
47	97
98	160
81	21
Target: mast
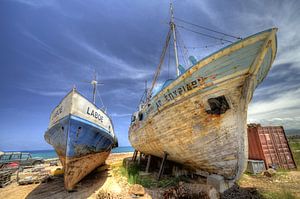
172	24
94	83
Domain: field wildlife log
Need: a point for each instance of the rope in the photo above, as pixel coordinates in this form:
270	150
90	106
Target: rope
206	46
208	28
162	56
203	34
169	62
183	51
98	93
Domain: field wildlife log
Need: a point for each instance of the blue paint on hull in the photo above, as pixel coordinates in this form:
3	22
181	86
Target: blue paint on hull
73	137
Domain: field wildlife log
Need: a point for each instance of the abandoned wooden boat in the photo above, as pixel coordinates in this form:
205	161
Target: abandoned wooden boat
81	134
200	118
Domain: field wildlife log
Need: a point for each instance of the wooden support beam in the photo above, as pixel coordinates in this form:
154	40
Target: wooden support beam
148	163
134	155
140	158
162	166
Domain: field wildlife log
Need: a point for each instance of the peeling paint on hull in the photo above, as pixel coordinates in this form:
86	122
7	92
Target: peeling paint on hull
177	119
80	139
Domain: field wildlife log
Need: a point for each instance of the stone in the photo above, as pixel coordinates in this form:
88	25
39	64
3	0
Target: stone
191	190
104	167
270	172
217	182
137	189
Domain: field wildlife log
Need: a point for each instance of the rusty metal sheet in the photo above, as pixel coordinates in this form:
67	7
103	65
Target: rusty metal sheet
270	144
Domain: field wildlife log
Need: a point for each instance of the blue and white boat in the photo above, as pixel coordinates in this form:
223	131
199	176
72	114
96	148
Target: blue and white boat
81	134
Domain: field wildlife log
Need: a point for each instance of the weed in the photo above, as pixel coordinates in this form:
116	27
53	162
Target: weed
150	181
284	194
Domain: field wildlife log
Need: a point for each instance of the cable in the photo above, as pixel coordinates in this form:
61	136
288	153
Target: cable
169	62
162	56
207	28
98	93
203	34
206	46
184	55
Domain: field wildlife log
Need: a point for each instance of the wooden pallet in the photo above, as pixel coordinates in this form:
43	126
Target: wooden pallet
5	178
34	180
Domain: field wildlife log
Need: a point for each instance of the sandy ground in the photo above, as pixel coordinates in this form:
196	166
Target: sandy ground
89	187
105	183
281	182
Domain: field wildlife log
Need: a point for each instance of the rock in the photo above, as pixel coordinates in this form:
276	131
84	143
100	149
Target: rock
218	182
137	189
53	163
102	168
190	190
269	172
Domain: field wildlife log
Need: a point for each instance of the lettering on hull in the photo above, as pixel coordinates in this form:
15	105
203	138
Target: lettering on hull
95	114
172	94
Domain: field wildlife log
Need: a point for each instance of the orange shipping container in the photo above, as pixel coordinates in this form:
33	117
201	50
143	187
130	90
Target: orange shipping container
270	144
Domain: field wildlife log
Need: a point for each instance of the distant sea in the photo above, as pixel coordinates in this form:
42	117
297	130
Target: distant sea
46	154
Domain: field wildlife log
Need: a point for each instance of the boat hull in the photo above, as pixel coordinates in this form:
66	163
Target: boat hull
181	121
81	146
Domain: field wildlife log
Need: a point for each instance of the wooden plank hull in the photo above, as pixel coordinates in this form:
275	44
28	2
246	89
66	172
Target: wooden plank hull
77	168
179	119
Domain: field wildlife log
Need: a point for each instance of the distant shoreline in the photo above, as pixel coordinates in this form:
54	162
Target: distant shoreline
50	153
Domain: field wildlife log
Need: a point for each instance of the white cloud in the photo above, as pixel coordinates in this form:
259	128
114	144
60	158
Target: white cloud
46	92
120	114
37	3
283	15
283	109
124	69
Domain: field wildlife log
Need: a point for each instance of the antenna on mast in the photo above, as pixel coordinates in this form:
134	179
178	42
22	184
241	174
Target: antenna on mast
172	24
94	82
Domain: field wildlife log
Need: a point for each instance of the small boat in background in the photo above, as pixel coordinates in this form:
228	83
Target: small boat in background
81	134
199	119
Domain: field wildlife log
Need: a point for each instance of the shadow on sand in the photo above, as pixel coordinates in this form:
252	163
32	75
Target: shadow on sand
55	187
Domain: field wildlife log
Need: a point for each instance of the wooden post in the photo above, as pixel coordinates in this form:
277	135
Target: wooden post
134	155
148	164
162	166
139	160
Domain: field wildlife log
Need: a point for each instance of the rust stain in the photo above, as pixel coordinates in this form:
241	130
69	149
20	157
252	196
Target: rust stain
270	145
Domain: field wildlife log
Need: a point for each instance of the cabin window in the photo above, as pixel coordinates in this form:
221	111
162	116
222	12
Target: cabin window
218	105
141	116
5	157
25	156
15	157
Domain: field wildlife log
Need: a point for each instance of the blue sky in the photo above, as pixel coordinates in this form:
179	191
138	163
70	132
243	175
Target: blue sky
47	46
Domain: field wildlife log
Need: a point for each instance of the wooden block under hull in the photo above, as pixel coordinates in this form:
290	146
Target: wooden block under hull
77	168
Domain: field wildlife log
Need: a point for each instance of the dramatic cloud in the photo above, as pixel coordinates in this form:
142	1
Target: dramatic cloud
47	47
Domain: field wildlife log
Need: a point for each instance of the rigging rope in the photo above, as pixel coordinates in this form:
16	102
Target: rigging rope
206	46
169	62
207	28
183	51
98	93
203	34
162	56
